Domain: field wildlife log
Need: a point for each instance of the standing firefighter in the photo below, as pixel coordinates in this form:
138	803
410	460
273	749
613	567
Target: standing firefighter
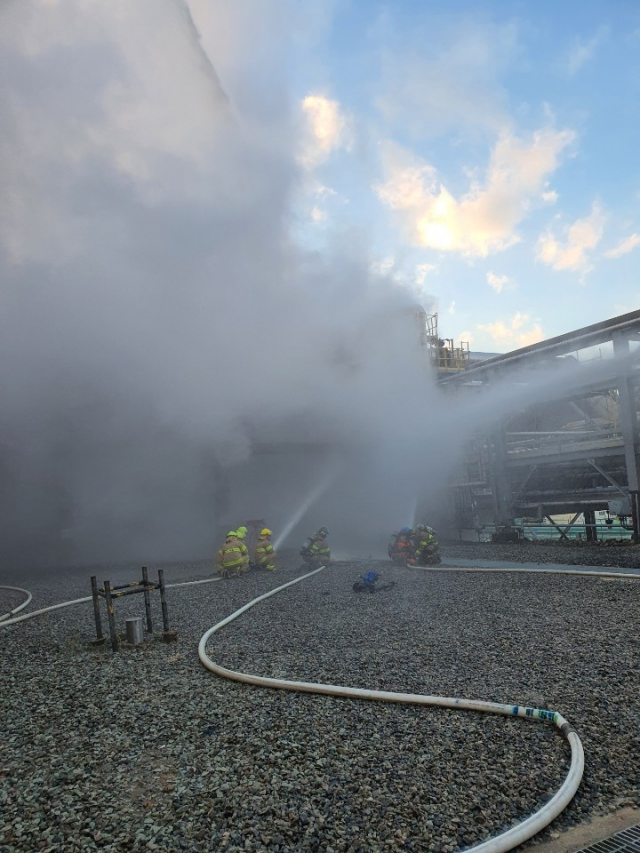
265	557
425	547
233	558
315	550
401	546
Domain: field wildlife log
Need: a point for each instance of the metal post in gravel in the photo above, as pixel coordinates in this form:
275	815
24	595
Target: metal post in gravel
96	611
168	635
147	600
111	617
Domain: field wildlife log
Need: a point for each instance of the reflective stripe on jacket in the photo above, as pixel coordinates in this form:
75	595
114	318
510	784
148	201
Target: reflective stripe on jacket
265	555
233	553
428	540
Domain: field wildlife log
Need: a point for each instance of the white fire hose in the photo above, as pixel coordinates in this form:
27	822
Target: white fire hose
20	606
15	620
501	843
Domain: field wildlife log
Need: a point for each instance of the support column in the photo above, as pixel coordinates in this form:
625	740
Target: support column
590	525
628	412
500	480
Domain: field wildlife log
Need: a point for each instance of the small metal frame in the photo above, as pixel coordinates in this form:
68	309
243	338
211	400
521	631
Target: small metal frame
109	593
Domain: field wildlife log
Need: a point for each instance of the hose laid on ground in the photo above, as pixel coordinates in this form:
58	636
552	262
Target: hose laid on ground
20	606
583	572
501	843
14	621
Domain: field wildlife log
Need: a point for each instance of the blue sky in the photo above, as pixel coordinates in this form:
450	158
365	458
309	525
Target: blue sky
490	153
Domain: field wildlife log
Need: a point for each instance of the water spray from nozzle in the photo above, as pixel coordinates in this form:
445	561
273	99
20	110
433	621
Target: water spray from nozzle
321	487
413	509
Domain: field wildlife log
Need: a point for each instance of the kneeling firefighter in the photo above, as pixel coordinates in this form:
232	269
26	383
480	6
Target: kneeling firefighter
233	557
315	550
264	556
400	546
425	547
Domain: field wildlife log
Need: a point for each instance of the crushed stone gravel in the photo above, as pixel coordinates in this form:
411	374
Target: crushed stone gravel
146	750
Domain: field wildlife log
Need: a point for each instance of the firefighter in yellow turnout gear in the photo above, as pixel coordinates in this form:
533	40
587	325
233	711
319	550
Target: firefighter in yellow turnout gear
315	550
264	555
425	547
233	557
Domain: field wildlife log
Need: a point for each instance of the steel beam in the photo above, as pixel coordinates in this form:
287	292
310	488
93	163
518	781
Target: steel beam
563	532
623	492
579	339
514	460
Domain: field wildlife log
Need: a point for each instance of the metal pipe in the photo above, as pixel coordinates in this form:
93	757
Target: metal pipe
124	591
96	609
562	344
163	602
147	600
111	617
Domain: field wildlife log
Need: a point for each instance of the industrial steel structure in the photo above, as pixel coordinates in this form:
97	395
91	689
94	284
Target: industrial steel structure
569	445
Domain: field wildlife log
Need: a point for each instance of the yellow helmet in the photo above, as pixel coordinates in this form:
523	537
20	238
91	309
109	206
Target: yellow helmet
242	532
265	532
232	533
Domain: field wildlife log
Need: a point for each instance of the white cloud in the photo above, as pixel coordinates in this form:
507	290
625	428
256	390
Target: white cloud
571	251
452	307
318	215
624	246
327	129
583	51
550	197
497	282
484	219
513	332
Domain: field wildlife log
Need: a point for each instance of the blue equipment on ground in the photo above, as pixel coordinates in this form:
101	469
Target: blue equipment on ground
367	583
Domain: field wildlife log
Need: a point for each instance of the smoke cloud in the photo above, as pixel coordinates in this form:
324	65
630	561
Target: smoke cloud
162	335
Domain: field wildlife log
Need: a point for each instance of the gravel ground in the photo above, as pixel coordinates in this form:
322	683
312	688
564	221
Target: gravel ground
605	553
146	750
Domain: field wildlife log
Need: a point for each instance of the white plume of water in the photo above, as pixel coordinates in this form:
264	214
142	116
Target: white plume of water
315	494
412	512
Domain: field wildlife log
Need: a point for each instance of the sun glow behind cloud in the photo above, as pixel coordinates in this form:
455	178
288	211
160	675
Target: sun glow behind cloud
327	129
483	220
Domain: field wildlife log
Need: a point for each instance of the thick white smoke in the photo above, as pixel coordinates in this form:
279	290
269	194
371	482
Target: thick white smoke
158	322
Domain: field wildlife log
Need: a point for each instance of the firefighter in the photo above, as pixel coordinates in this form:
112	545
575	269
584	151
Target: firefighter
425	547
401	546
233	558
264	556
315	550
